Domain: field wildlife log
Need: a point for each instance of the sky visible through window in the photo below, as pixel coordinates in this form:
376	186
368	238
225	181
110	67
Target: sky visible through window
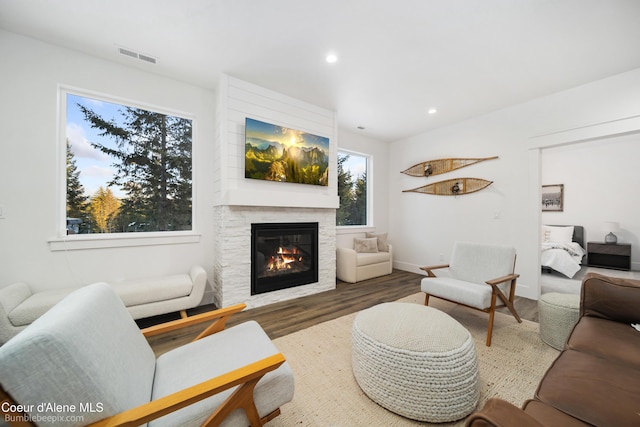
94	165
356	164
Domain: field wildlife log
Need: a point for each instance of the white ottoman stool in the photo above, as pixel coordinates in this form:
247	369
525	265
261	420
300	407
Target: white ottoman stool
558	314
415	361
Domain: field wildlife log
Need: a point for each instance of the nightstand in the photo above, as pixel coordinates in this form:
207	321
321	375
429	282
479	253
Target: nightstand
607	255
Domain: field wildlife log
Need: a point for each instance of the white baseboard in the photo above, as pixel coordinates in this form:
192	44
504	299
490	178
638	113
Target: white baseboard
405	266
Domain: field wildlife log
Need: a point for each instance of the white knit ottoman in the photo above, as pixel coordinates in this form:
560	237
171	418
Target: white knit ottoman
415	361
558	314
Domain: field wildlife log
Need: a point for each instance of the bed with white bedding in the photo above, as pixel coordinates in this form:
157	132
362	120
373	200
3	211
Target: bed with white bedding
562	248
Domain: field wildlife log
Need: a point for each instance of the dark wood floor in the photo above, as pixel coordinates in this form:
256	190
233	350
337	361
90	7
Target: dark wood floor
285	317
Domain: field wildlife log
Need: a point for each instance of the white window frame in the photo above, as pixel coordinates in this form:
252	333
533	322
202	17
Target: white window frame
64	242
369	226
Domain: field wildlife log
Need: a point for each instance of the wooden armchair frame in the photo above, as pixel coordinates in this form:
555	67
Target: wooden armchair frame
242	398
496	293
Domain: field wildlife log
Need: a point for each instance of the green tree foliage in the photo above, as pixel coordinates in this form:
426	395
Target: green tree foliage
152	159
104	208
344	191
135	205
76	200
359	206
353	195
292	165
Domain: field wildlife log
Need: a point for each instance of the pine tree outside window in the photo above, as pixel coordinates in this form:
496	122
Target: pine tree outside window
352	189
128	169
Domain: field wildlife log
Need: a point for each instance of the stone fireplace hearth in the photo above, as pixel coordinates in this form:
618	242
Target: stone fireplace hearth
232	262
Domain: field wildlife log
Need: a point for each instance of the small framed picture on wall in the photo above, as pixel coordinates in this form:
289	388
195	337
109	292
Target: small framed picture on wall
553	198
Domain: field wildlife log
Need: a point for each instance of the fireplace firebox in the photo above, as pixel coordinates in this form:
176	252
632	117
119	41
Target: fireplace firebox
283	255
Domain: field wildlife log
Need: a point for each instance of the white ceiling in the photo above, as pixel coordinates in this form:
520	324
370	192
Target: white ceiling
397	58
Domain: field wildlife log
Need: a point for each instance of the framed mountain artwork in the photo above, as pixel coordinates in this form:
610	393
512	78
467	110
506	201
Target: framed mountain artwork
277	153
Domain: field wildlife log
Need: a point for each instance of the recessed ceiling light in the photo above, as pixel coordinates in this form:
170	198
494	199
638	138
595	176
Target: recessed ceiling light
331	58
432	111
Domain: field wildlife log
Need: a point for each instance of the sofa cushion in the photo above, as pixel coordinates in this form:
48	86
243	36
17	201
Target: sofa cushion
143	291
86	349
618	342
372	258
383	241
13	295
477	263
468	293
369	245
36	305
550	416
233	348
592	389
610	298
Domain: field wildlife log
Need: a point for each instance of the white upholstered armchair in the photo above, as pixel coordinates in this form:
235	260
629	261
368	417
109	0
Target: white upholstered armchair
370	256
480	277
88	357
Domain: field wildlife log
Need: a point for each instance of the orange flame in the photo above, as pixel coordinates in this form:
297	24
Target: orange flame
283	259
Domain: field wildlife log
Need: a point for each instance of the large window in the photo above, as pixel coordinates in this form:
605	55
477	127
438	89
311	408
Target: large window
352	189
128	168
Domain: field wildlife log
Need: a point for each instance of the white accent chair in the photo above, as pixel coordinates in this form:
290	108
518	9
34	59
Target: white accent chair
479	276
88	357
368	257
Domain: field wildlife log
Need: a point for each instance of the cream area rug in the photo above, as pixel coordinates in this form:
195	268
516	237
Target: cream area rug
326	393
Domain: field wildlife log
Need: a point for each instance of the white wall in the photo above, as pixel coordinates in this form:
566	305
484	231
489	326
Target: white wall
379	176
601	183
507	212
29	176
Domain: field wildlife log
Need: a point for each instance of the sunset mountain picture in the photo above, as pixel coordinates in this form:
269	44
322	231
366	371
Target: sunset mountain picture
276	153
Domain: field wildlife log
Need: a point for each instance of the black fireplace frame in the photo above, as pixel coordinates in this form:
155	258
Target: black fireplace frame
270	284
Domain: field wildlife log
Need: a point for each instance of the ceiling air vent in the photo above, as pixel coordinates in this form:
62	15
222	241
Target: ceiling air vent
132	54
127	52
146	58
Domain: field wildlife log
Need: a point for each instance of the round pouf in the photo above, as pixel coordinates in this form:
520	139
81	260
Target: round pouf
415	361
558	314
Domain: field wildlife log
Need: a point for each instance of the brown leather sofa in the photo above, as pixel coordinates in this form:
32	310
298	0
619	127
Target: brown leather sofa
595	381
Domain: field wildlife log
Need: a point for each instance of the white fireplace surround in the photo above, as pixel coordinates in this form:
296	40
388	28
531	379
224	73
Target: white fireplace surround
232	261
239	202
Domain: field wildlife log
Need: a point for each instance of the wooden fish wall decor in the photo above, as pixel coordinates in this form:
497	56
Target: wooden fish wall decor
439	166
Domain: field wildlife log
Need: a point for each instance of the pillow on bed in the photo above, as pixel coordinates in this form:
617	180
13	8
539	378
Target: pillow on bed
557	234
